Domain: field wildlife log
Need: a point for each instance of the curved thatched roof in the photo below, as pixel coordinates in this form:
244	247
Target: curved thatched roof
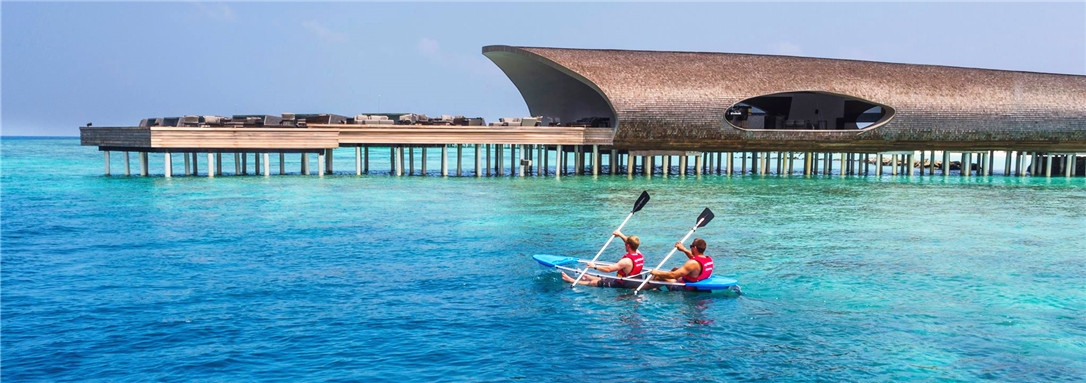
677	100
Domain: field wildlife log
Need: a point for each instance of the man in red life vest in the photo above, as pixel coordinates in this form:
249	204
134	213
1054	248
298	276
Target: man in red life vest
630	264
698	266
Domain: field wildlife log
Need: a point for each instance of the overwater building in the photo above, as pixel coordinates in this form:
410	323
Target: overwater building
643	108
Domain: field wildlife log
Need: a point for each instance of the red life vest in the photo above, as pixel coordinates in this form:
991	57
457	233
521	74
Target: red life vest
706	269
638	264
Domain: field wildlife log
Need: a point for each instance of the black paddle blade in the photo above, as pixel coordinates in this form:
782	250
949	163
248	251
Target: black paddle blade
705	217
641	201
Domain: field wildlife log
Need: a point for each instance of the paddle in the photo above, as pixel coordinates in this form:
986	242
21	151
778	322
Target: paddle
703	219
640	203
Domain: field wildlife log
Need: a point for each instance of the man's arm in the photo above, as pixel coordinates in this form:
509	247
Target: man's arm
612	268
686	269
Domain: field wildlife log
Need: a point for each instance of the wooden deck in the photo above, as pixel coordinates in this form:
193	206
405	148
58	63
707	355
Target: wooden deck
330	136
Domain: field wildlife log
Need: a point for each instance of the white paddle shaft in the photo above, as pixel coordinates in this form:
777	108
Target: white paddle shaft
669	254
602	249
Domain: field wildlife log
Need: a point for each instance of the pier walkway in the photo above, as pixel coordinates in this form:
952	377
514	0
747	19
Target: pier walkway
521	151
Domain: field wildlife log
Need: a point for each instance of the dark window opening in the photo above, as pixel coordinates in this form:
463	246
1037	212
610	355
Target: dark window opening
806	111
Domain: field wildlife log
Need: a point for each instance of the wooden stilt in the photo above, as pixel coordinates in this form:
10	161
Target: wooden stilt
1048	165
558	157
478	161
167	165
444	160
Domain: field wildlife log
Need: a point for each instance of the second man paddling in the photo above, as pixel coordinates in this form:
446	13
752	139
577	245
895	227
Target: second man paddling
698	266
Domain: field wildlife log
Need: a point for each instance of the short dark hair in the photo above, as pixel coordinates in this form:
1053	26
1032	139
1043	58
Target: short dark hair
700	244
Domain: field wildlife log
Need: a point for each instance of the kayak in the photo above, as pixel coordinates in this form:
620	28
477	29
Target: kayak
571	264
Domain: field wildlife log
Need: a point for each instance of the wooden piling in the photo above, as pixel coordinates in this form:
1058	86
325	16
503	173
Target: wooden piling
167	164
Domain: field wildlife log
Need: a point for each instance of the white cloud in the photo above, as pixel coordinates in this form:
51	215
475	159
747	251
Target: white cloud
215	11
324	33
429	48
475	65
786	48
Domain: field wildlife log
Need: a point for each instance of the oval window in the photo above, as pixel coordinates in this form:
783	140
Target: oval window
807	111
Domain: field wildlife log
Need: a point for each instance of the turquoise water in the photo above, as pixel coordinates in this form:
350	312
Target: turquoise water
420	279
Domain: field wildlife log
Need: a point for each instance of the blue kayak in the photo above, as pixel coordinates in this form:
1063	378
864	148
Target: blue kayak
565	263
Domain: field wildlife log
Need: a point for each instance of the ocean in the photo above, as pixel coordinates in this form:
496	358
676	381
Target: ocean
421	278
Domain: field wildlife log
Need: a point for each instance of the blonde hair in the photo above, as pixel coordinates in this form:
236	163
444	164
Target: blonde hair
633	241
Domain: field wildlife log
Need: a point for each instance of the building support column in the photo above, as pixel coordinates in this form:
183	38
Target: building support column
967	165
844	164
990	157
357	160
1007	164
422	161
578	160
1069	162
143	164
698	164
612	160
478	161
520	162
544	161
459	160
946	163
329	161
410	160
444	160
321	158
210	169
558	161
305	164
1048	165
499	157
105	154
167	164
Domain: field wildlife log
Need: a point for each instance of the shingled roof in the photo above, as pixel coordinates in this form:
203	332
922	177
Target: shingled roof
678	100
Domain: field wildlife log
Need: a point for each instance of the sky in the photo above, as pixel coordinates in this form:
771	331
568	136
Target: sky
63	65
